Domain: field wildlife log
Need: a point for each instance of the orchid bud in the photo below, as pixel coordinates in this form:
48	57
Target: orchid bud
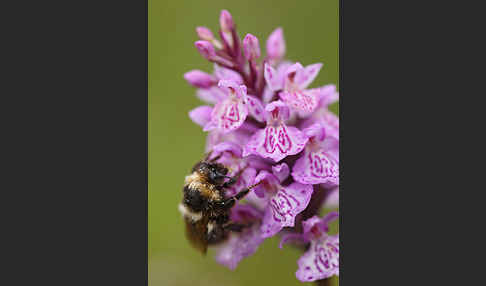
251	47
276	45
226	21
205	34
206	49
199	78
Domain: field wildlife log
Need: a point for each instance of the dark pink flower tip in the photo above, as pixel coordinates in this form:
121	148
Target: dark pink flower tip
204	34
276	45
251	47
206	49
199	78
226	21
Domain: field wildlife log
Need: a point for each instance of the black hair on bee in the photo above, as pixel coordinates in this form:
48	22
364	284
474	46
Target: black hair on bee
204	206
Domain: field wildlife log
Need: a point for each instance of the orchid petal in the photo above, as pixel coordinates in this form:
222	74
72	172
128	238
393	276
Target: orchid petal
201	115
211	95
274	82
255	108
223	73
276	142
303	77
240	246
316	167
320	261
284	206
281	171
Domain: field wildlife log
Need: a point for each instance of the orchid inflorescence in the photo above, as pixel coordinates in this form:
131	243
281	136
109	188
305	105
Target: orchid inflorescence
266	125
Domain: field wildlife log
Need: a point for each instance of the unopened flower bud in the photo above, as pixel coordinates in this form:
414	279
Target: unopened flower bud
276	45
199	78
205	34
206	49
251	47
226	21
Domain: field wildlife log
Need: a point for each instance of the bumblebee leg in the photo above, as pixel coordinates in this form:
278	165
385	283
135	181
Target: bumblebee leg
230	202
232	180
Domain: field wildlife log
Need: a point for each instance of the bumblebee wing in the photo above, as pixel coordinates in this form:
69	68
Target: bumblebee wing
196	233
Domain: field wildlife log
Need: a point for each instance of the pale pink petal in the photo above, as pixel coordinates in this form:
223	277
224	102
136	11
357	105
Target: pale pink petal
291	71
284	206
227	115
316	227
276	142
316	131
226	146
320	261
216	136
267	95
332	200
201	115
269	184
199	78
305	101
233	89
281	171
276	45
328	95
282	68
255	108
331	122
277	111
211	95
239	246
316	167
222	73
274	81
303	77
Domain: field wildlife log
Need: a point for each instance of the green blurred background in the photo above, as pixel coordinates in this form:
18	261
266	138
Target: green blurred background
311	30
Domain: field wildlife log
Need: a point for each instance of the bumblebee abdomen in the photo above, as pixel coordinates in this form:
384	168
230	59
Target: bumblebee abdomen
194	199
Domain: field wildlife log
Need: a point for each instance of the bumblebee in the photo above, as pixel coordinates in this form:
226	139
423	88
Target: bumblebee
205	207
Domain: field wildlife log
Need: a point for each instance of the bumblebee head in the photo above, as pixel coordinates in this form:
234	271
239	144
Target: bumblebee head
214	173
